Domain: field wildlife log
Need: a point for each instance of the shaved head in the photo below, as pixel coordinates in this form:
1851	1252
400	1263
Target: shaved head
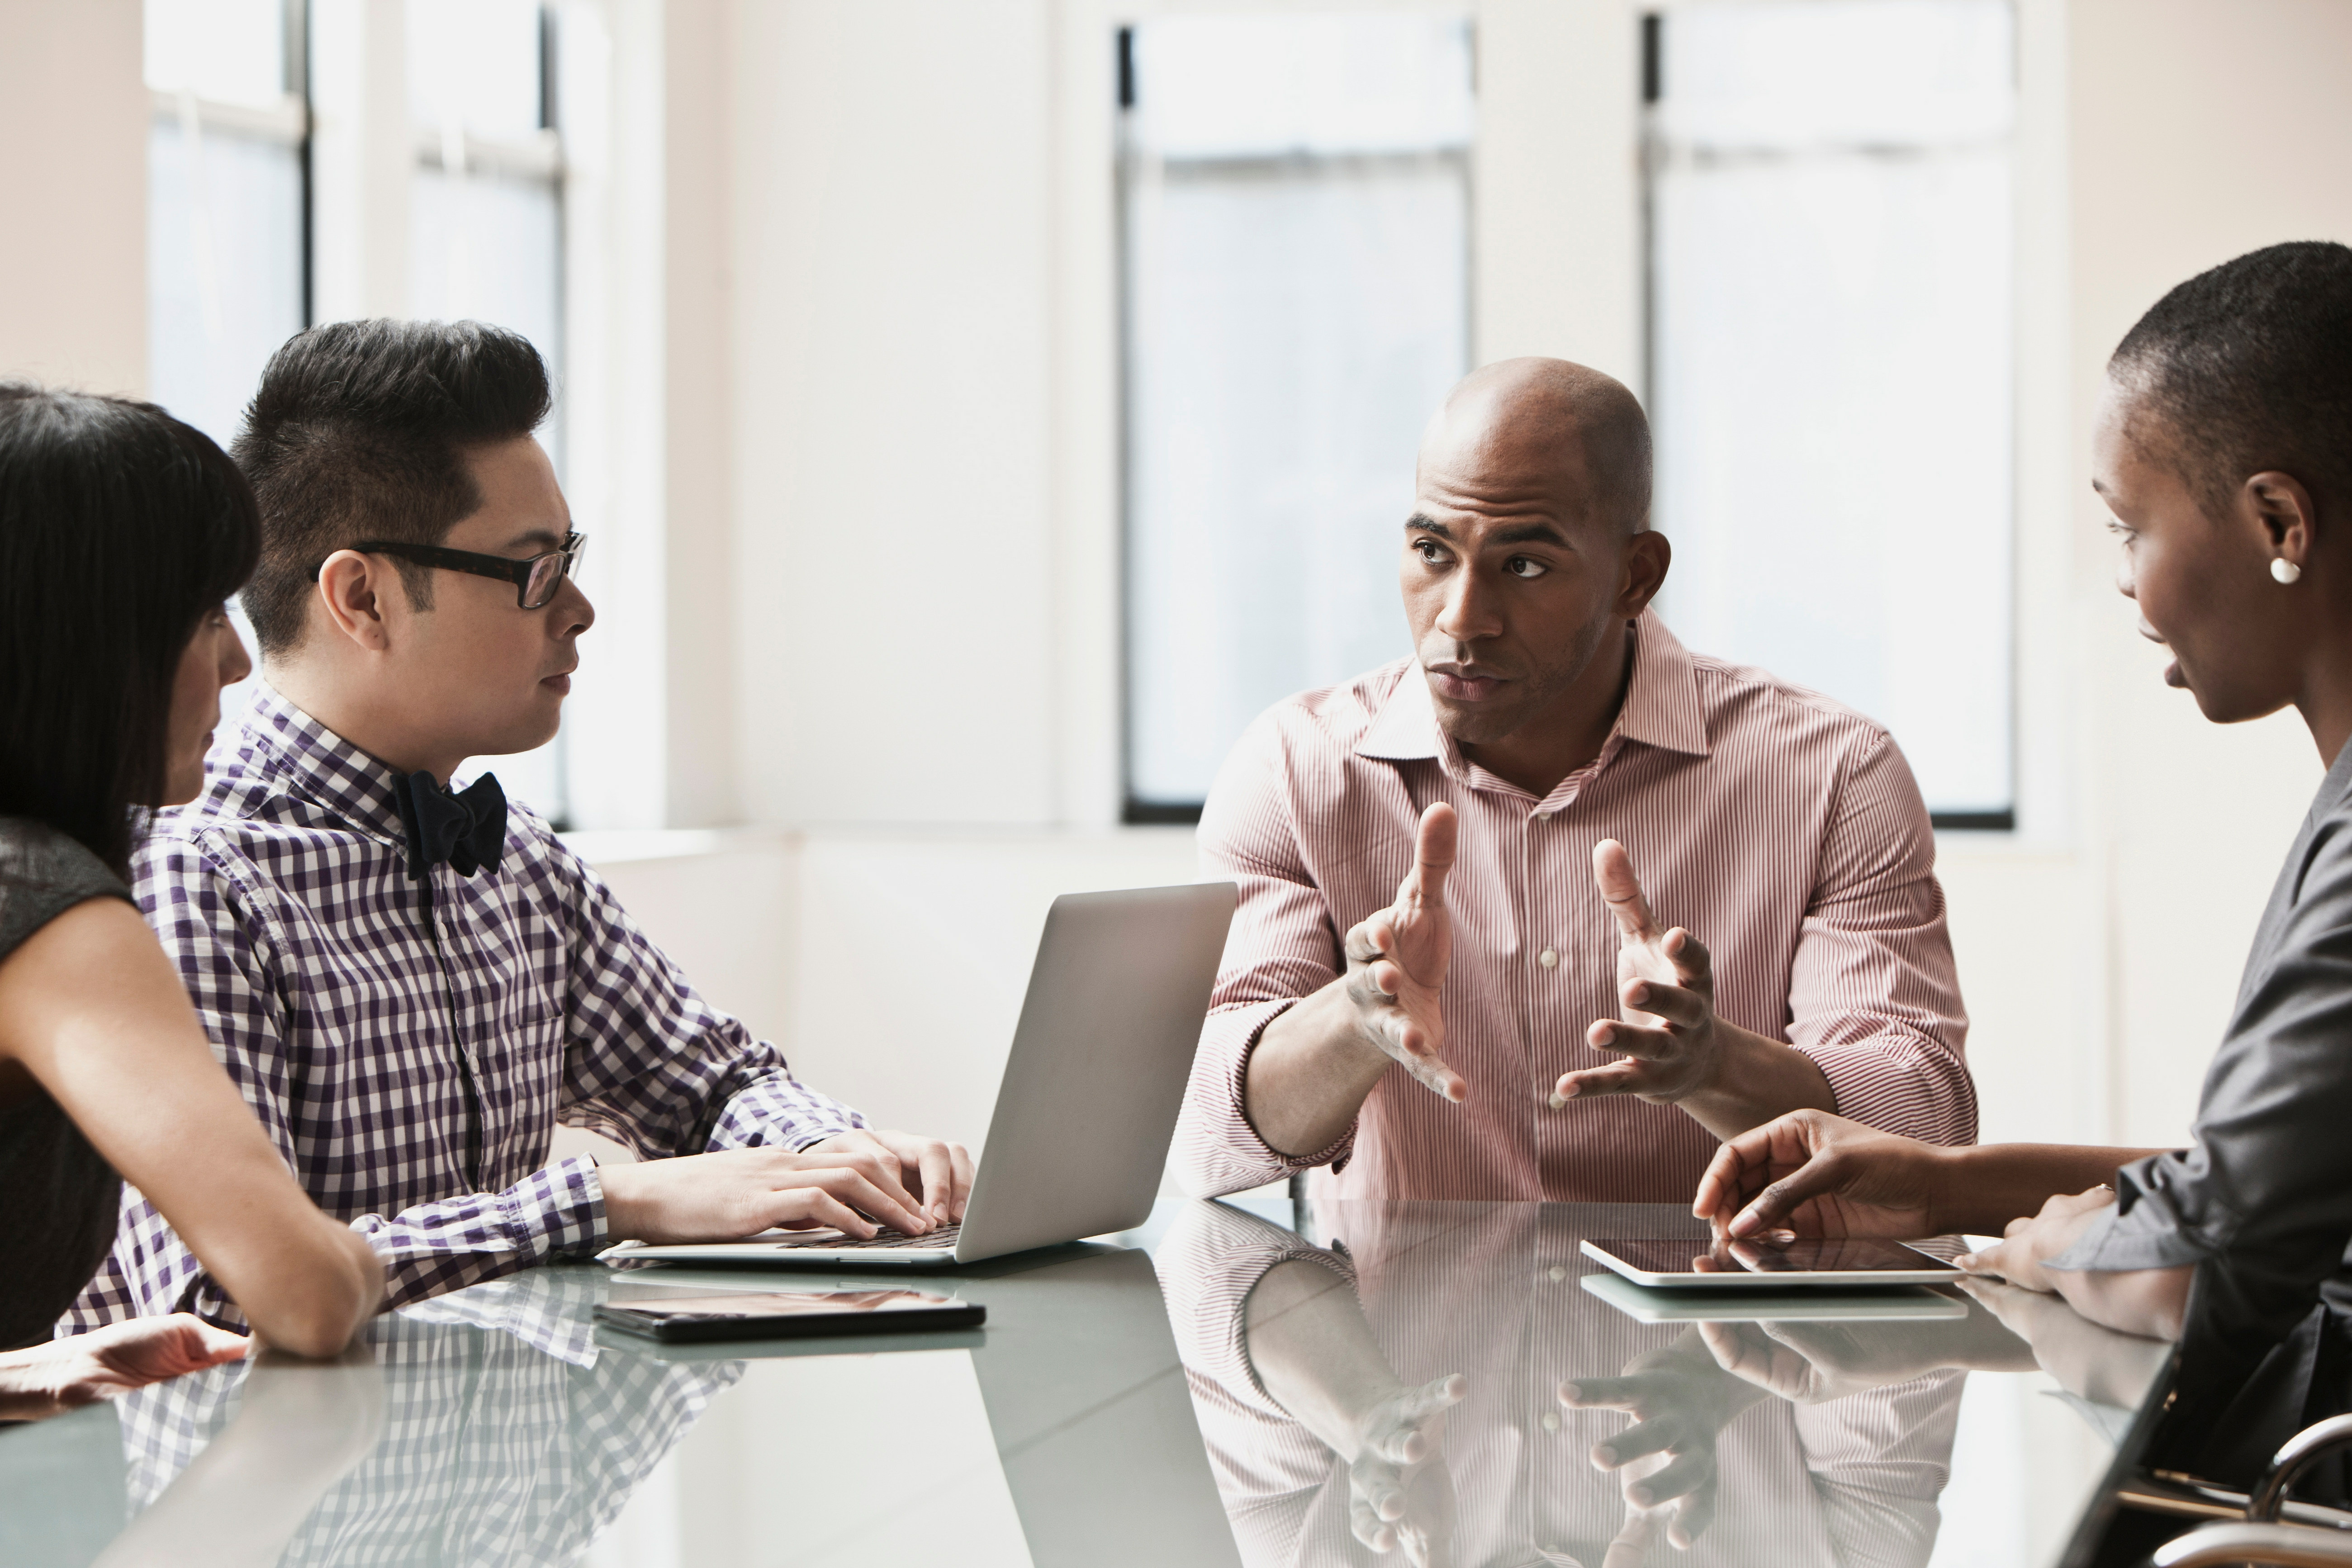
1553	425
1527	555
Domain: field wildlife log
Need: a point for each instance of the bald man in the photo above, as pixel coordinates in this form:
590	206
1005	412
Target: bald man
1448	980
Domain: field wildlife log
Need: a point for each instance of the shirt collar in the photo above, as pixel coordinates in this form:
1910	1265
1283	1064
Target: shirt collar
314	764
1662	705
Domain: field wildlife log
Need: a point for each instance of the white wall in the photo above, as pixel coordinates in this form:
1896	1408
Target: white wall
73	183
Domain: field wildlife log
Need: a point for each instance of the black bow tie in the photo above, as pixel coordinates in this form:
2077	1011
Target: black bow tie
467	830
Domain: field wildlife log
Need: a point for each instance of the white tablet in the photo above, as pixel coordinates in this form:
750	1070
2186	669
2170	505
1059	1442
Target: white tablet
1892	1304
1694	1265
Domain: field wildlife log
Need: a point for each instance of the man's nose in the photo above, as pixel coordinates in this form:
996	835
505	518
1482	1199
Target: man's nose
1469	610
2125	583
571	613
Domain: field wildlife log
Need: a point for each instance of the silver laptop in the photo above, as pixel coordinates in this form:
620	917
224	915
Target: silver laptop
1090	1097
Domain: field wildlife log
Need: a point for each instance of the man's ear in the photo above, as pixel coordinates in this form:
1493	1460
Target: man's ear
351	588
2284	511
1647	556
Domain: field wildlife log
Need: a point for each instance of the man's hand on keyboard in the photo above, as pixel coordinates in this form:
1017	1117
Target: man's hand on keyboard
742	1191
938	1173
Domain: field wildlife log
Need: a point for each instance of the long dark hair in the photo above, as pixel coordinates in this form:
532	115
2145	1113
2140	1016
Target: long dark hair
120	528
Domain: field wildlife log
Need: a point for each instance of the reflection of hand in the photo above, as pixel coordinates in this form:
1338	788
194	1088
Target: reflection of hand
67	1374
1819	1174
1679	1401
1809	1362
1314	1354
2090	1362
2028	1244
1400	1492
1397	961
301	1426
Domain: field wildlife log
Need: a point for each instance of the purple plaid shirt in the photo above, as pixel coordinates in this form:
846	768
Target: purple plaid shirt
413	1075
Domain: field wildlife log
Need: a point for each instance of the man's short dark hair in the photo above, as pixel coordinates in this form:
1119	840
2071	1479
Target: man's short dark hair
359	431
2248	367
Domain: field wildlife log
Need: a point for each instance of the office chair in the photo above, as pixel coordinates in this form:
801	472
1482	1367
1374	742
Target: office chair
2260	1539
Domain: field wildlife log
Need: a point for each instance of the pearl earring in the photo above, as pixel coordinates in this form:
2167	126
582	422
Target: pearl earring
2285	571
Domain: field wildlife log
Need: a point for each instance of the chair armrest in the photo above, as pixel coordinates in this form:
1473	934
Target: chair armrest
2271	1545
2298	1453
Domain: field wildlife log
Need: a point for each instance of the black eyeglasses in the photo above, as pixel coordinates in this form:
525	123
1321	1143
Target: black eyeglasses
535	580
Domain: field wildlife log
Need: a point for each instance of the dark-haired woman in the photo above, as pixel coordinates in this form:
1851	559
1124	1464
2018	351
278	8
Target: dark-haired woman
2224	452
122	532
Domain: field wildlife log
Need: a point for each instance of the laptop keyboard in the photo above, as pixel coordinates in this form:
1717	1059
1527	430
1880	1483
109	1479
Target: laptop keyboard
941	1239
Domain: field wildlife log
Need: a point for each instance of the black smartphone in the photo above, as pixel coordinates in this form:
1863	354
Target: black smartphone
791	1315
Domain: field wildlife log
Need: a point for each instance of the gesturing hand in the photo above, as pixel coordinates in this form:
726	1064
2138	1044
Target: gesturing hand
1668	1034
1397	961
1819	1174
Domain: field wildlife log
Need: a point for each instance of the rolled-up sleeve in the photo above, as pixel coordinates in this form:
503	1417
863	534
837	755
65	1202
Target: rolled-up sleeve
1283	946
1874	995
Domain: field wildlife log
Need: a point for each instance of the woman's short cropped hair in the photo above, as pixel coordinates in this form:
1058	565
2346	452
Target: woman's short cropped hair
359	431
120	528
2248	368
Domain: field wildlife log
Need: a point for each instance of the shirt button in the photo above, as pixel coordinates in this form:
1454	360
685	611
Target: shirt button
1552	1421
1557	1273
1548	958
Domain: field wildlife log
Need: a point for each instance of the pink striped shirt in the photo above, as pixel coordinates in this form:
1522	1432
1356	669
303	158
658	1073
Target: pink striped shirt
1782	829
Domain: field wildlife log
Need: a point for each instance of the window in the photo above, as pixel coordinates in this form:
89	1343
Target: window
226	195
235	227
1830	376
1294	195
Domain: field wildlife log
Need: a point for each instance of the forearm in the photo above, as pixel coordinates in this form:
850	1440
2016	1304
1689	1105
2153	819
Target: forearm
1313	1352
2150	1303
311	1290
1985	1186
1308	1076
1757	1079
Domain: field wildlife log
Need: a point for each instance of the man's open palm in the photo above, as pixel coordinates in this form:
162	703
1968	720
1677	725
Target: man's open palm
1397	961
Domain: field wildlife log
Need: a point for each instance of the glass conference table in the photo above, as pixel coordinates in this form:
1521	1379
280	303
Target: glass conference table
1114	1409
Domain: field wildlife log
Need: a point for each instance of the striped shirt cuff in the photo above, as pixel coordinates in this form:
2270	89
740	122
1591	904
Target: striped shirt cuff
1901	1085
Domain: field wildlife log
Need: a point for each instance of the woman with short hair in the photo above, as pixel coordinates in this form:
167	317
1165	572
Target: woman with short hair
2223	449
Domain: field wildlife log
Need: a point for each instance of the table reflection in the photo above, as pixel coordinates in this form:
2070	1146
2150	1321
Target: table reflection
1433	1382
487	1427
1427	1383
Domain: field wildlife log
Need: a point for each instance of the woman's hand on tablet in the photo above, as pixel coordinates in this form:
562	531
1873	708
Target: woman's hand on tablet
1819	1174
2028	1244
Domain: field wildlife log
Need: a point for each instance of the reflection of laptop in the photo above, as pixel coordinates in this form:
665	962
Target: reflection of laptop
1090	1097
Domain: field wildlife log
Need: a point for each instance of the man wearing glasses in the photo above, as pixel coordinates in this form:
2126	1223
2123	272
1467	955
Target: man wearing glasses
411	986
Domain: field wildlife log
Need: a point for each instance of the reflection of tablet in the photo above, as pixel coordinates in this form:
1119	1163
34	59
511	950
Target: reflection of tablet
1750	1265
1817	1304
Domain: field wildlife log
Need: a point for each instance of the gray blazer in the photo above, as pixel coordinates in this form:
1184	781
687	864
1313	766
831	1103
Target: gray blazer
2268	1183
2264	1196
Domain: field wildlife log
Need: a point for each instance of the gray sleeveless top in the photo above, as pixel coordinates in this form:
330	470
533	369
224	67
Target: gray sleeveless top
58	1187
